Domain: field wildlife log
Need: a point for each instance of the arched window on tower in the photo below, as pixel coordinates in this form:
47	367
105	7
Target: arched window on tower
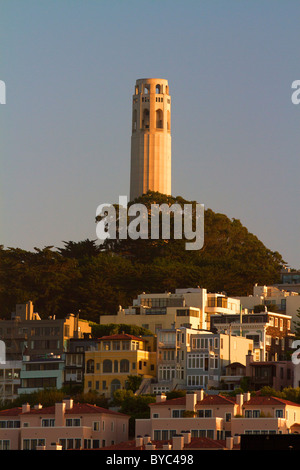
146	89
159	119
146	120
158	89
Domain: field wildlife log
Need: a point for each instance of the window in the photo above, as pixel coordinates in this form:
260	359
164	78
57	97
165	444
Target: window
256	413
96	425
279	413
177	413
4	444
48	423
107	366
72	422
124	366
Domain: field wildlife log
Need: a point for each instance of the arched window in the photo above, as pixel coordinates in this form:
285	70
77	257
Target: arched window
90	366
115	385
159	119
124	365
146	89
158	89
107	366
146	120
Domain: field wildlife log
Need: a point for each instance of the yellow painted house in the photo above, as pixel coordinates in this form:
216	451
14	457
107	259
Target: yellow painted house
116	357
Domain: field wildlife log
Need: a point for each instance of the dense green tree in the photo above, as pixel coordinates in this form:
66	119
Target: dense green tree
96	279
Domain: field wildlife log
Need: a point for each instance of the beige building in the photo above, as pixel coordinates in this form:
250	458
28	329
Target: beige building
189	308
217	416
151	138
64	426
286	302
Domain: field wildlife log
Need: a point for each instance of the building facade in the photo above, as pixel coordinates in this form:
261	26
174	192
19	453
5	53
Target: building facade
270	332
26	331
70	425
189	308
218	417
117	356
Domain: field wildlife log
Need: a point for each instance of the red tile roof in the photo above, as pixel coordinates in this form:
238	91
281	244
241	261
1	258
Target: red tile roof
269	400
208	399
78	408
11	412
196	443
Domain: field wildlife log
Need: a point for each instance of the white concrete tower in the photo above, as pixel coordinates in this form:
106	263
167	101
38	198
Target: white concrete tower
151	138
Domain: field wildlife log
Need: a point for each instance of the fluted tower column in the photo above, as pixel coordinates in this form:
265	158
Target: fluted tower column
150	138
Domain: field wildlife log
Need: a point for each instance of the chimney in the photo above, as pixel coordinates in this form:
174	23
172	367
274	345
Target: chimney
178	442
229	443
236	439
139	441
200	394
55	446
187	436
150	446
38	406
247	396
69	403
167	447
60	414
239	402
147	439
160	398
249	360
190	401
25	408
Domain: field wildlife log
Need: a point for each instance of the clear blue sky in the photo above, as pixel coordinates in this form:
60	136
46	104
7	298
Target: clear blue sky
70	67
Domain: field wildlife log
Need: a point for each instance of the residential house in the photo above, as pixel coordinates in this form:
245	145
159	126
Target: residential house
40	372
26	330
70	425
218	416
10	380
117	356
270	332
190	308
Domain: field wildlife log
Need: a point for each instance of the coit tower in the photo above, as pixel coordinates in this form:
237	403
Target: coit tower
150	138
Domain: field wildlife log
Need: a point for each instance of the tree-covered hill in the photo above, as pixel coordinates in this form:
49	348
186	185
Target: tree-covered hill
96	279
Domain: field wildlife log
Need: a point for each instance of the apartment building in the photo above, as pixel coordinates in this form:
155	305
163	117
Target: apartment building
275	374
41	372
190	308
270	332
273	298
69	425
116	357
75	359
189	358
26	330
10	380
217	417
